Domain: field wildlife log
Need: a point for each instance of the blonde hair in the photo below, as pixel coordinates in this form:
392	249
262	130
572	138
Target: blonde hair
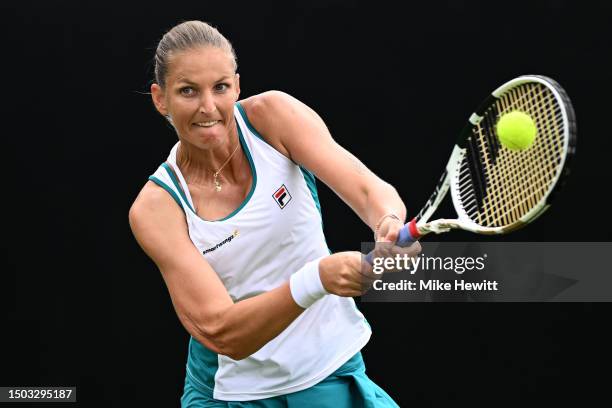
185	36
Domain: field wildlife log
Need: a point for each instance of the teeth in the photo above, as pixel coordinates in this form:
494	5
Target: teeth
207	124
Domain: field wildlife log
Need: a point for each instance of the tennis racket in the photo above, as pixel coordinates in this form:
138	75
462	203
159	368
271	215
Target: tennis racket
496	190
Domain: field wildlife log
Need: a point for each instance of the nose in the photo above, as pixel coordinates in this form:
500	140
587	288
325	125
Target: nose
207	103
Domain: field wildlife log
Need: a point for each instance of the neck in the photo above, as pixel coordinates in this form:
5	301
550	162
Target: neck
199	165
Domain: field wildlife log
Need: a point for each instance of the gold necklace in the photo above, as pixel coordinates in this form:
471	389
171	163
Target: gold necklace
216	173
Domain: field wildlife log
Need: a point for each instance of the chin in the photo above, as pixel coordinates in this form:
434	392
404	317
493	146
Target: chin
204	139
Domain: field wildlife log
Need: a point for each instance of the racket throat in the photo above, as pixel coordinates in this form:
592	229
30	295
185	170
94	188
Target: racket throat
438	226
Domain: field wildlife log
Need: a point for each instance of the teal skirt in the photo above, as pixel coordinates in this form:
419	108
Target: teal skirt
347	387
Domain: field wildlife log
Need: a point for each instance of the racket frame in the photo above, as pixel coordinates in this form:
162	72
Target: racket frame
420	226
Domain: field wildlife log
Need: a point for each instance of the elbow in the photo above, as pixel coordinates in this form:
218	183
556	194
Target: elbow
237	355
394	191
223	341
231	349
390	187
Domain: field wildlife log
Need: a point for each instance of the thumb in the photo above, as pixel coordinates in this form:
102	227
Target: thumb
391	235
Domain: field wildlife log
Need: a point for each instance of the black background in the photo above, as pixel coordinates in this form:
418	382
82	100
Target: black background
82	305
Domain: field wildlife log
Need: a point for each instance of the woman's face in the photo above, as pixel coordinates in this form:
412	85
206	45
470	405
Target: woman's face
200	92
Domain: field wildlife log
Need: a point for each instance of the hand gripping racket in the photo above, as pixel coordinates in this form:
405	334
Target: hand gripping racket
496	190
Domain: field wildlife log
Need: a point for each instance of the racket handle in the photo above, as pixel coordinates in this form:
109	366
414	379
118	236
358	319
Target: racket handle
407	235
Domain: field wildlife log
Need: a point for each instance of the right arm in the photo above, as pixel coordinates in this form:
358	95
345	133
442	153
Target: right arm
202	303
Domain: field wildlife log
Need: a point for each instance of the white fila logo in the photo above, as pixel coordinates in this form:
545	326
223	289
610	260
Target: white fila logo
282	196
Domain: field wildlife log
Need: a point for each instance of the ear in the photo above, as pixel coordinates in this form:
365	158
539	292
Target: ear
158	96
237	85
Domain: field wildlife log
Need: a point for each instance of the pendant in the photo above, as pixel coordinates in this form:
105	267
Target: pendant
217	184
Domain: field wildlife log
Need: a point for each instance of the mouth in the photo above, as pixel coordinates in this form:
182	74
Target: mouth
206	124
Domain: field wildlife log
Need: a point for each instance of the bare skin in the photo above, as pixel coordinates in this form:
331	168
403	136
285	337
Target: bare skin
199	94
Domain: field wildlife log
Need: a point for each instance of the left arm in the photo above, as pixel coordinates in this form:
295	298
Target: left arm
299	133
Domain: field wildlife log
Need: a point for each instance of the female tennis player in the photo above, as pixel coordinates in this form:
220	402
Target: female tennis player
233	222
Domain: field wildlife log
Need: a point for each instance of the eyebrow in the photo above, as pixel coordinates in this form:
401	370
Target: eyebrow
183	79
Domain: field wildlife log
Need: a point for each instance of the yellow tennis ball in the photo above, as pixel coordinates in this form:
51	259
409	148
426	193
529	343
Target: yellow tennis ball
516	130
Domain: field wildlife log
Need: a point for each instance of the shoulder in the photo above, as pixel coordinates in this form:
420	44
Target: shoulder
263	106
160	228
153	206
278	117
151	197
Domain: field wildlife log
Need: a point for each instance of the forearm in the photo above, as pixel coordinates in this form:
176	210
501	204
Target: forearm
382	199
251	323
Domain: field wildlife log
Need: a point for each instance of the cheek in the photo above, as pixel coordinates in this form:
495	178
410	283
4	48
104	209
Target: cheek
183	109
225	106
229	114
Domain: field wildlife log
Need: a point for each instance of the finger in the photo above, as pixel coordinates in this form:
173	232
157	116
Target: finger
383	249
354	281
357	286
392	233
412	251
369	276
346	292
365	273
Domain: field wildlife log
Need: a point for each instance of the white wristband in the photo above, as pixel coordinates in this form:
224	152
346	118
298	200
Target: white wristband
306	286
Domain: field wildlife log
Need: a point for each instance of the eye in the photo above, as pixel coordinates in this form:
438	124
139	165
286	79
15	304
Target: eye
221	87
187	91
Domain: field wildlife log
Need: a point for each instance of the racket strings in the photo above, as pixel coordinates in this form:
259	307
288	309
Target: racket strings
513	197
500	192
498	186
539	170
520	196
